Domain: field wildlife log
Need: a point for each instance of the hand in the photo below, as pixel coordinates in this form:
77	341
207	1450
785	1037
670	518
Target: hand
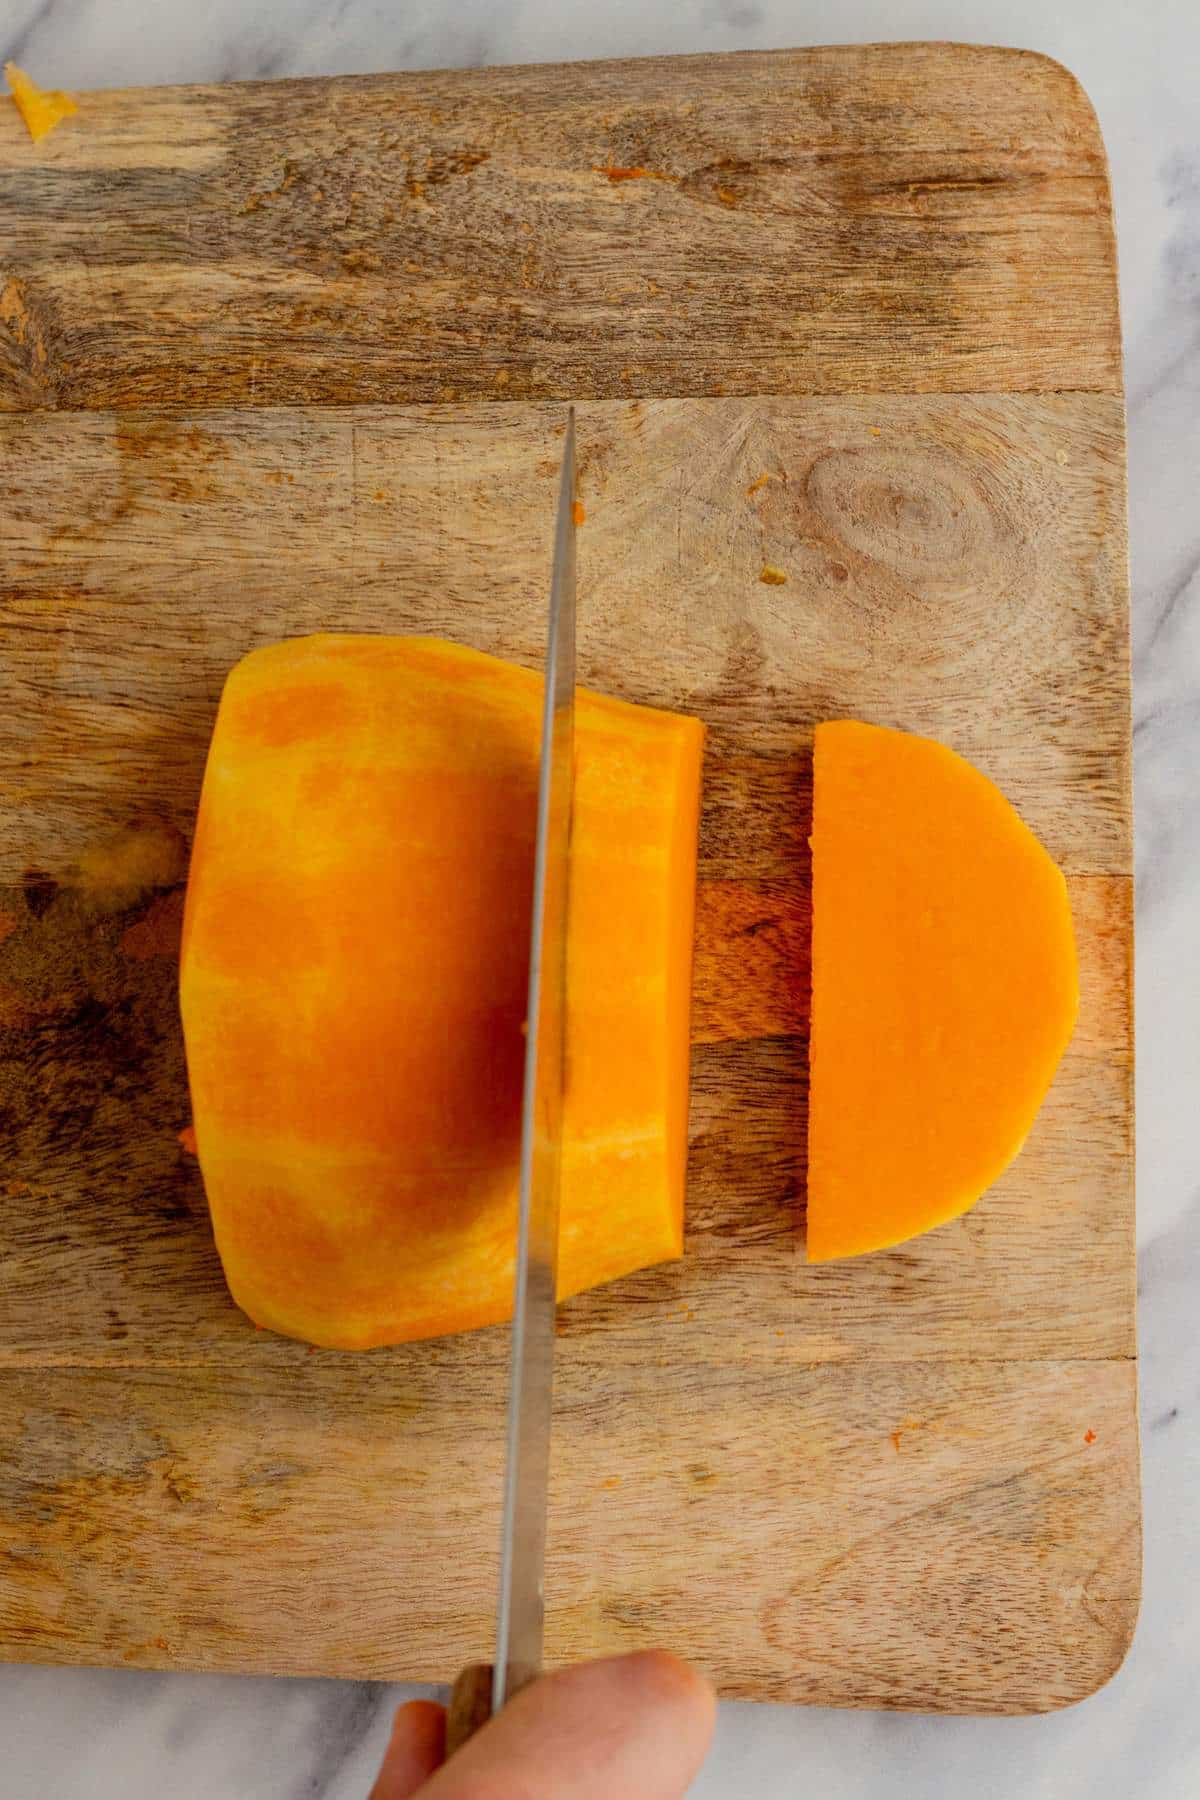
629	1728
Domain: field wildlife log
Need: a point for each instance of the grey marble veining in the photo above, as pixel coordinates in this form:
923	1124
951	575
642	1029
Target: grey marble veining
93	1735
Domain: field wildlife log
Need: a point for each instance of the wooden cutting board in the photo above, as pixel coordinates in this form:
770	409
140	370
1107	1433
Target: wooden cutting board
278	358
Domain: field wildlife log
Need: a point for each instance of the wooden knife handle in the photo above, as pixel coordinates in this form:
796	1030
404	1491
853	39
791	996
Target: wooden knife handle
470	1705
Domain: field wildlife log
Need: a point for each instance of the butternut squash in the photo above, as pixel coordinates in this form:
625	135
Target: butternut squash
945	987
354	967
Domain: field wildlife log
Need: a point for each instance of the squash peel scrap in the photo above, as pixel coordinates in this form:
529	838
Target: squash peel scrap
41	108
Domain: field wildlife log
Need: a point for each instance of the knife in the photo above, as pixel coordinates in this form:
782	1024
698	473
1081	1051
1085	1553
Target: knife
482	1690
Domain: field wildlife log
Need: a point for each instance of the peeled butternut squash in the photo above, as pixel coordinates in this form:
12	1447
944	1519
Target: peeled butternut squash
945	987
354	968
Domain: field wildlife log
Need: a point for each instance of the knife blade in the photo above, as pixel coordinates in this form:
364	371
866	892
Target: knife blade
519	1624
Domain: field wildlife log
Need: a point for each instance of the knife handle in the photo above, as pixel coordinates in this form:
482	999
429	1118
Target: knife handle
470	1705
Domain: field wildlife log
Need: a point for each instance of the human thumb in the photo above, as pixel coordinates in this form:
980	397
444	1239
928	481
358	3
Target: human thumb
628	1728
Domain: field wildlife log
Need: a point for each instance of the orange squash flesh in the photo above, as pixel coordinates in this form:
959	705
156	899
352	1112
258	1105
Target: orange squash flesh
945	987
41	108
353	985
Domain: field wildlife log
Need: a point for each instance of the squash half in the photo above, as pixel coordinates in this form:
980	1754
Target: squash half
353	983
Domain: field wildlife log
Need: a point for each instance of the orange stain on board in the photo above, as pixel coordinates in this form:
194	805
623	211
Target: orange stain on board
7	925
158	932
771	576
578	514
1089	1437
15	1010
754	487
902	1430
187	1140
616	172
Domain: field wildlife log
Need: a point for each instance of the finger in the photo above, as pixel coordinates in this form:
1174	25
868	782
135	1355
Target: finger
634	1726
416	1750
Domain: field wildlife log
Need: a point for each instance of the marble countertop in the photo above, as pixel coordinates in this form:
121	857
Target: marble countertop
88	1735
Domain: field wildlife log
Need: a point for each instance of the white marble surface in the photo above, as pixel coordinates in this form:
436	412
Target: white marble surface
93	1735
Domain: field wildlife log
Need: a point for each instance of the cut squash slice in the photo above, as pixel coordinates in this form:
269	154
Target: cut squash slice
355	960
945	987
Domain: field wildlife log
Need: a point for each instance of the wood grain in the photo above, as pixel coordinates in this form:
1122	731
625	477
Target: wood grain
974	544
908	1480
839	220
940	1534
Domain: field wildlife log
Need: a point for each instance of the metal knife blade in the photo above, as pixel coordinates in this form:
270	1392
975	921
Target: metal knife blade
523	1537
